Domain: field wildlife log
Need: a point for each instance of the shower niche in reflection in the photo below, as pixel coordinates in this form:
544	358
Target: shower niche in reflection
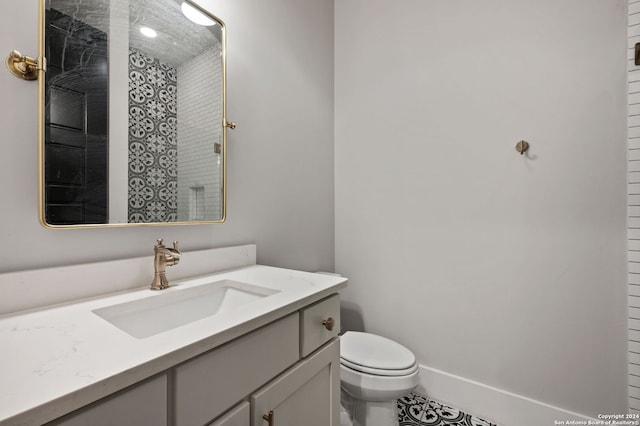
134	115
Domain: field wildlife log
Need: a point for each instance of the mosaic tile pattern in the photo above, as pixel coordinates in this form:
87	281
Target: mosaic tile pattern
417	410
153	170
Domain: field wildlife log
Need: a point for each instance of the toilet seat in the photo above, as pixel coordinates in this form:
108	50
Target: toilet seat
378	371
376	355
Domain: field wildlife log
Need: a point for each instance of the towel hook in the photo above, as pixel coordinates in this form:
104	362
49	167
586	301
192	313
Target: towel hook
522	147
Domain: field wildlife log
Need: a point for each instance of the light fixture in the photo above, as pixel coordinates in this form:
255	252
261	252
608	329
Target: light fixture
195	16
146	31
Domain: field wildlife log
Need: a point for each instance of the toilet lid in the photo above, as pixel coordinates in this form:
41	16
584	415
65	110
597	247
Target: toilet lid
375	354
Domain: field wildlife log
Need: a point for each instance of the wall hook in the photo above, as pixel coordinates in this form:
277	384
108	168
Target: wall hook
23	66
522	147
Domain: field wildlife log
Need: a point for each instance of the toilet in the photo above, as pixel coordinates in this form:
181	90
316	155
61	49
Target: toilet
374	373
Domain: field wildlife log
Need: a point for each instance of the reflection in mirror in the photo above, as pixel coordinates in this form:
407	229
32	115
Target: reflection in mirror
134	113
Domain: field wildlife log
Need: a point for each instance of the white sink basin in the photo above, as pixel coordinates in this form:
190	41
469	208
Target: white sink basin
176	307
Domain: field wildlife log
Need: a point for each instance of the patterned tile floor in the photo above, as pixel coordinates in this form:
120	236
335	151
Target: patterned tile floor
417	410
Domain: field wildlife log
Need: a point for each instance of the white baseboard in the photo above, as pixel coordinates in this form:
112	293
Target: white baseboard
489	403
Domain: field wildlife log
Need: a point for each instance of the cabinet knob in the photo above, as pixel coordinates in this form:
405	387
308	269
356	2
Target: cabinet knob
329	323
269	418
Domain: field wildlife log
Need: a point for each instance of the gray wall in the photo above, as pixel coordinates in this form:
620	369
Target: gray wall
504	269
280	91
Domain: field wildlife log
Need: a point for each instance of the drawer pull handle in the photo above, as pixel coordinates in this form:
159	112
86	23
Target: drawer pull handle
269	418
329	323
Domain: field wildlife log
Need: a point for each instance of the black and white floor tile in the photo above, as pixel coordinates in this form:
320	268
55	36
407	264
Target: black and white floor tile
417	410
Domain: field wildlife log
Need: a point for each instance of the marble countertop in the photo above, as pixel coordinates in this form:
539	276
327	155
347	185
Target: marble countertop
59	359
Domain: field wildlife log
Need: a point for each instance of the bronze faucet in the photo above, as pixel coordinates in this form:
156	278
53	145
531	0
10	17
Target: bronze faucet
164	257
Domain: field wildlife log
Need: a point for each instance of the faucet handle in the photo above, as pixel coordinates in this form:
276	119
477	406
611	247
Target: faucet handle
159	242
172	255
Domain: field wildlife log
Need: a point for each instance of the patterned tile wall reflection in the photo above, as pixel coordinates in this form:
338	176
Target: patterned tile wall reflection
153	171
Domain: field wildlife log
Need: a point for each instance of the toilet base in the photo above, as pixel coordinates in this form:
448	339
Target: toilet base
356	412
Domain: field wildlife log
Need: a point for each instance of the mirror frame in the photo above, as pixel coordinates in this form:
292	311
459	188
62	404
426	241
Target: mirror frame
41	132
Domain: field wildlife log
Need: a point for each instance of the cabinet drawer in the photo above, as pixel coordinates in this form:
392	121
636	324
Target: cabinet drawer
206	386
313	333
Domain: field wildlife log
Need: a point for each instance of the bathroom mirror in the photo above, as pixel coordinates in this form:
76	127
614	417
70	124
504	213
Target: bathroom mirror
132	113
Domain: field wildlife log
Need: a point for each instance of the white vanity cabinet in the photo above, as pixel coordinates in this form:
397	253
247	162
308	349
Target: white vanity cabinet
283	373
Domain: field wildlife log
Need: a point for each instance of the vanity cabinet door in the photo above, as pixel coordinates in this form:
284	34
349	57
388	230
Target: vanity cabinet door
308	394
143	404
237	416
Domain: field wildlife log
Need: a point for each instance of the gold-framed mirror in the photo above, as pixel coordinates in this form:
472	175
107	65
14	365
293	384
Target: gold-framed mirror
132	106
